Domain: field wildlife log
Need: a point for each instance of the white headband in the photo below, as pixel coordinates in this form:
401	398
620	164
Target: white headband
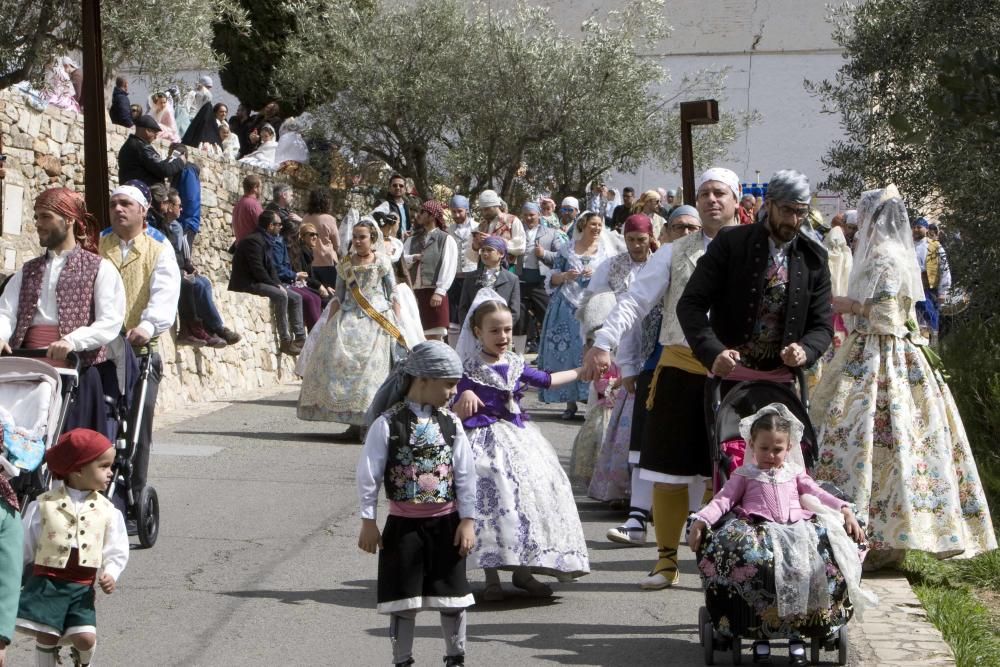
131	192
722	176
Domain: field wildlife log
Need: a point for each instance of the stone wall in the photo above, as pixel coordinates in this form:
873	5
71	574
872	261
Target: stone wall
45	149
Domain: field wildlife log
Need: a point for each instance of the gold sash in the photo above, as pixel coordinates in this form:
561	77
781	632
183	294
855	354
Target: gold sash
369	310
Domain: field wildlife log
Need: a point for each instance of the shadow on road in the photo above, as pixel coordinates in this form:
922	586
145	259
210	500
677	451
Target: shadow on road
325	438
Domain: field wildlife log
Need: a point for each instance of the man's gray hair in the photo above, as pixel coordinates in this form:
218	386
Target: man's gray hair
280	189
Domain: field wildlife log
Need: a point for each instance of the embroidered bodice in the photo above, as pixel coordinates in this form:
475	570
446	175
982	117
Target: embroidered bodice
500	387
763	351
420	462
375	281
887	314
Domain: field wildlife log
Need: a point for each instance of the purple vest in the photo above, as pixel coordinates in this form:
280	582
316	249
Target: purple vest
74	296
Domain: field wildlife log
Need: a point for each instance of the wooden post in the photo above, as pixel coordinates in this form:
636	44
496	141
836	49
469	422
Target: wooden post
701	112
96	182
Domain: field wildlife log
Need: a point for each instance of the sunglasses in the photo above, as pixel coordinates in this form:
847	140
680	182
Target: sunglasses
310	234
566	209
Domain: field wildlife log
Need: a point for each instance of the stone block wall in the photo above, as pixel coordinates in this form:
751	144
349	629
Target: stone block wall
45	149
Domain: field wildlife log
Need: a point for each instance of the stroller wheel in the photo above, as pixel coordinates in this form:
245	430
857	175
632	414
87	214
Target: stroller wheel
703	618
707	634
815	646
148	517
737	649
842	645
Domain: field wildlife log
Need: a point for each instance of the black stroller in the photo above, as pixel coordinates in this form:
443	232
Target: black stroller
728	618
124	378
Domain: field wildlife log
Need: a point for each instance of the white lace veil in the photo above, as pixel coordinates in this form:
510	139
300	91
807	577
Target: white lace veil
610	243
468	346
884	245
796	430
377	240
840	260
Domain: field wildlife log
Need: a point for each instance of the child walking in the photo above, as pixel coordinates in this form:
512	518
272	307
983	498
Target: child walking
526	519
418	450
84	542
787	549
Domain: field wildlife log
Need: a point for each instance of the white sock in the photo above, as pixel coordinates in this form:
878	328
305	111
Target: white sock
696	493
642	491
45	656
87	657
796	647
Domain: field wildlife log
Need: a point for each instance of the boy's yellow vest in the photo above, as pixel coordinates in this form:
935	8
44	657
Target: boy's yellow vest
61	524
136	271
933	263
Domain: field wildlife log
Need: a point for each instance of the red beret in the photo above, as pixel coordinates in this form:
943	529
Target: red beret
75	449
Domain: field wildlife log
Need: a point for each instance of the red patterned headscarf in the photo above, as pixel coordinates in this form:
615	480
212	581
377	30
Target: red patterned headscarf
437	212
71	205
637	222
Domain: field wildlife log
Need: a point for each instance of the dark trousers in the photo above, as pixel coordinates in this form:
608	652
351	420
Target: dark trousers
140	462
287	309
326	275
534	302
197	303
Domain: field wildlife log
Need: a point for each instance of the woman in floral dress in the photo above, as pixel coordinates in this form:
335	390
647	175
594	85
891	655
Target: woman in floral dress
890	434
561	346
354	347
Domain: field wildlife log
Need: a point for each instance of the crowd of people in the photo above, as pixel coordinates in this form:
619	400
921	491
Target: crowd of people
414	324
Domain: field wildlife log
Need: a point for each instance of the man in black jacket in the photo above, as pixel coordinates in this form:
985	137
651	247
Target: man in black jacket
254	273
137	158
759	299
121	109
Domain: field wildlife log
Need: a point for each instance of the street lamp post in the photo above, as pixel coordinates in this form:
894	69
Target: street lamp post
95	137
700	112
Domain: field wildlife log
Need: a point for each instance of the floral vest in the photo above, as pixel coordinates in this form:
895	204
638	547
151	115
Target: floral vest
60	525
419	466
136	271
763	351
74	297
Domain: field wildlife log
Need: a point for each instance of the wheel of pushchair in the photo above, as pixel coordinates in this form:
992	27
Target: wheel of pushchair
815	646
707	634
737	649
842	645
148	517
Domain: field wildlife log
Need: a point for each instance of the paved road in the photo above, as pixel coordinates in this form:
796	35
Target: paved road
257	564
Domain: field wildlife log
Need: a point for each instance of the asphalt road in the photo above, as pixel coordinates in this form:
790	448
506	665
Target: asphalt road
257	564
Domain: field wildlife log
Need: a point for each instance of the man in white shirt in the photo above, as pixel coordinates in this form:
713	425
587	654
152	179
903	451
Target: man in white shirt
67	300
541	247
462	227
674	454
152	282
494	222
431	256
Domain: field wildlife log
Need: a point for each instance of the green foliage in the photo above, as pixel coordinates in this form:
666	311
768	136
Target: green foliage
253	53
965	623
918	97
158	38
468	95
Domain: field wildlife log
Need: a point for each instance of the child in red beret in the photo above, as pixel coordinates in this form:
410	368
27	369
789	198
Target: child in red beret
73	538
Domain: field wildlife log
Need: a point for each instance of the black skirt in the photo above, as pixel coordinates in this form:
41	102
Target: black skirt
639	410
419	566
675	438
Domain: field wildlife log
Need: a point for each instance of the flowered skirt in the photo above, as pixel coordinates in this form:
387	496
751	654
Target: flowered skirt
560	348
588	440
525	511
891	438
612	479
736	562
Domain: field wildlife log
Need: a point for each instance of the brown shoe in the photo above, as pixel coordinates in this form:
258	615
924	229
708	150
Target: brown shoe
290	347
210	339
227	334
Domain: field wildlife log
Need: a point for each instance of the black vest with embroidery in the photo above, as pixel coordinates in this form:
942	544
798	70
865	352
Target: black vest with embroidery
420	462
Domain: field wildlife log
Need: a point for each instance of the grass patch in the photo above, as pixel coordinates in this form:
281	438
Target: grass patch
948	591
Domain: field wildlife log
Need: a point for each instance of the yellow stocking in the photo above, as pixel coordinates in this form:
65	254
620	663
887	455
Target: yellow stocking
670	509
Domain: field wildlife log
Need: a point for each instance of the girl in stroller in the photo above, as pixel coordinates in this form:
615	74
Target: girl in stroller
792	575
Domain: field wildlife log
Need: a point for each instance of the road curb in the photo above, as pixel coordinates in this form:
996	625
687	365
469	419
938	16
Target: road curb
897	633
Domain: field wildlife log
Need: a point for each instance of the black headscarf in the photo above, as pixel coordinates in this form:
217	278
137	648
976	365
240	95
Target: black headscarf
203	128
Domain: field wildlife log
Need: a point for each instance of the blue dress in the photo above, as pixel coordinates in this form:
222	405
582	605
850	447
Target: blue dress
561	345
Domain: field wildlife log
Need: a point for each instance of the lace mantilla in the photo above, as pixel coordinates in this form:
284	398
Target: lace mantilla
480	372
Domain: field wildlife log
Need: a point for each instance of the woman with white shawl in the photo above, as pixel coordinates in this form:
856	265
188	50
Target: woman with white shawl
840	261
889	431
352	352
161	108
265	154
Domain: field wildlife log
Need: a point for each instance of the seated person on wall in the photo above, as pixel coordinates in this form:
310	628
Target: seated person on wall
66	300
138	159
295	281
152	286
200	321
301	250
254	273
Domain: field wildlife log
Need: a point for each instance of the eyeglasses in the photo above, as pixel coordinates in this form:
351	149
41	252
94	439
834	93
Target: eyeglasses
309	235
397	185
790	211
685	226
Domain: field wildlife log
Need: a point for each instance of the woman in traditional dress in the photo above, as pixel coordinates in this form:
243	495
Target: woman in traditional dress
353	351
840	261
610	480
161	108
561	347
889	431
264	155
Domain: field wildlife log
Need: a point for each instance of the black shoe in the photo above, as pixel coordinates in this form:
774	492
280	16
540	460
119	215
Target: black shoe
228	335
453	660
404	664
761	652
131	527
799	659
568	415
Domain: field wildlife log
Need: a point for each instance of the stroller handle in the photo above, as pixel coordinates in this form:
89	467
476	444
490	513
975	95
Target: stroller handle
72	358
715	385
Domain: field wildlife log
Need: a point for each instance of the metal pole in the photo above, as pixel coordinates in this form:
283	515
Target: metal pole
95	138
